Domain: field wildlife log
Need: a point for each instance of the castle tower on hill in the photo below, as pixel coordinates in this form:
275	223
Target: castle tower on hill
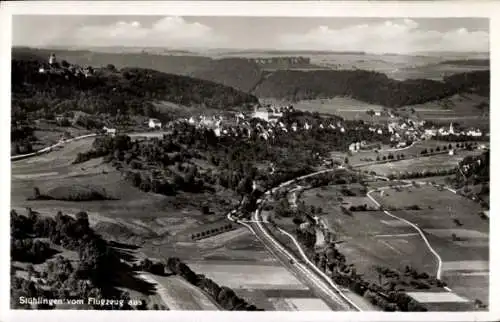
52	59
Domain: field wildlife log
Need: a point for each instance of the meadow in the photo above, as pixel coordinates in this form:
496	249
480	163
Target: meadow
454	230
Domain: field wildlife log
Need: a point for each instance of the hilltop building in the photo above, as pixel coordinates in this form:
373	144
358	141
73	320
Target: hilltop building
268	115
52	59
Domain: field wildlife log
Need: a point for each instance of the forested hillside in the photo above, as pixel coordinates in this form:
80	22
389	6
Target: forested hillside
109	90
239	73
368	86
248	76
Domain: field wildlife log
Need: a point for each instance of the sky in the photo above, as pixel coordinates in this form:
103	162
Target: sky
376	35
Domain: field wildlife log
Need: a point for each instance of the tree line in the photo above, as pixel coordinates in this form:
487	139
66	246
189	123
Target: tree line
223	295
90	276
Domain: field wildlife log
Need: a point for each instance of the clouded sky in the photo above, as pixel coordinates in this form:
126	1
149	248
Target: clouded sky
398	35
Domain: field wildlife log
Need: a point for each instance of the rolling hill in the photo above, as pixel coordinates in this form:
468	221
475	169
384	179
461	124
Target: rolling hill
129	91
288	81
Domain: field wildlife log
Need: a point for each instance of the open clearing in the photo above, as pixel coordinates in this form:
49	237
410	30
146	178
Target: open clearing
133	214
269	286
372	238
466	265
368	240
436	297
468	251
462	109
431	163
248	276
178	294
410	152
301	304
348	108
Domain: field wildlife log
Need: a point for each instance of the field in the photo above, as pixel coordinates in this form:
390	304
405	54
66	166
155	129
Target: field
431	163
461	109
431	71
178	294
372	238
345	107
466	256
269	286
414	150
368	239
134	212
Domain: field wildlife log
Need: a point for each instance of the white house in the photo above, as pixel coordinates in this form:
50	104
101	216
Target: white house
263	115
377	113
474	133
451	152
154	123
109	131
430	132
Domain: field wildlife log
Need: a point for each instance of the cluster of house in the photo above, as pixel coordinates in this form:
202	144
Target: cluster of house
405	130
363	145
270	113
281	60
472	132
267	127
54	67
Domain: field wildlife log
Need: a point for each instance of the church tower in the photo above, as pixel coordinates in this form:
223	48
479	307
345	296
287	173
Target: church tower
52	59
452	131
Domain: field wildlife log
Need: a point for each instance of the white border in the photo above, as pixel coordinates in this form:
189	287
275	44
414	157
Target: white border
489	9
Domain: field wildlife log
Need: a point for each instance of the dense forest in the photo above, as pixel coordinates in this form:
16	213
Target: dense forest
93	275
239	73
368	86
128	91
473	170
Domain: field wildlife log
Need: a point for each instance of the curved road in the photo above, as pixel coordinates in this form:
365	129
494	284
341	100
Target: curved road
319	280
415	226
315	277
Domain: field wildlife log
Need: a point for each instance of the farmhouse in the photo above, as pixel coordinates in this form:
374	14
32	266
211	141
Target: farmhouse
109	131
154	123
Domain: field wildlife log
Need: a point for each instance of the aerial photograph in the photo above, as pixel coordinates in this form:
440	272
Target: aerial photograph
228	163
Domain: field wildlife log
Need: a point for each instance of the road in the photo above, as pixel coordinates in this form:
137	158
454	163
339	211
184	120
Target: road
316	279
408	183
